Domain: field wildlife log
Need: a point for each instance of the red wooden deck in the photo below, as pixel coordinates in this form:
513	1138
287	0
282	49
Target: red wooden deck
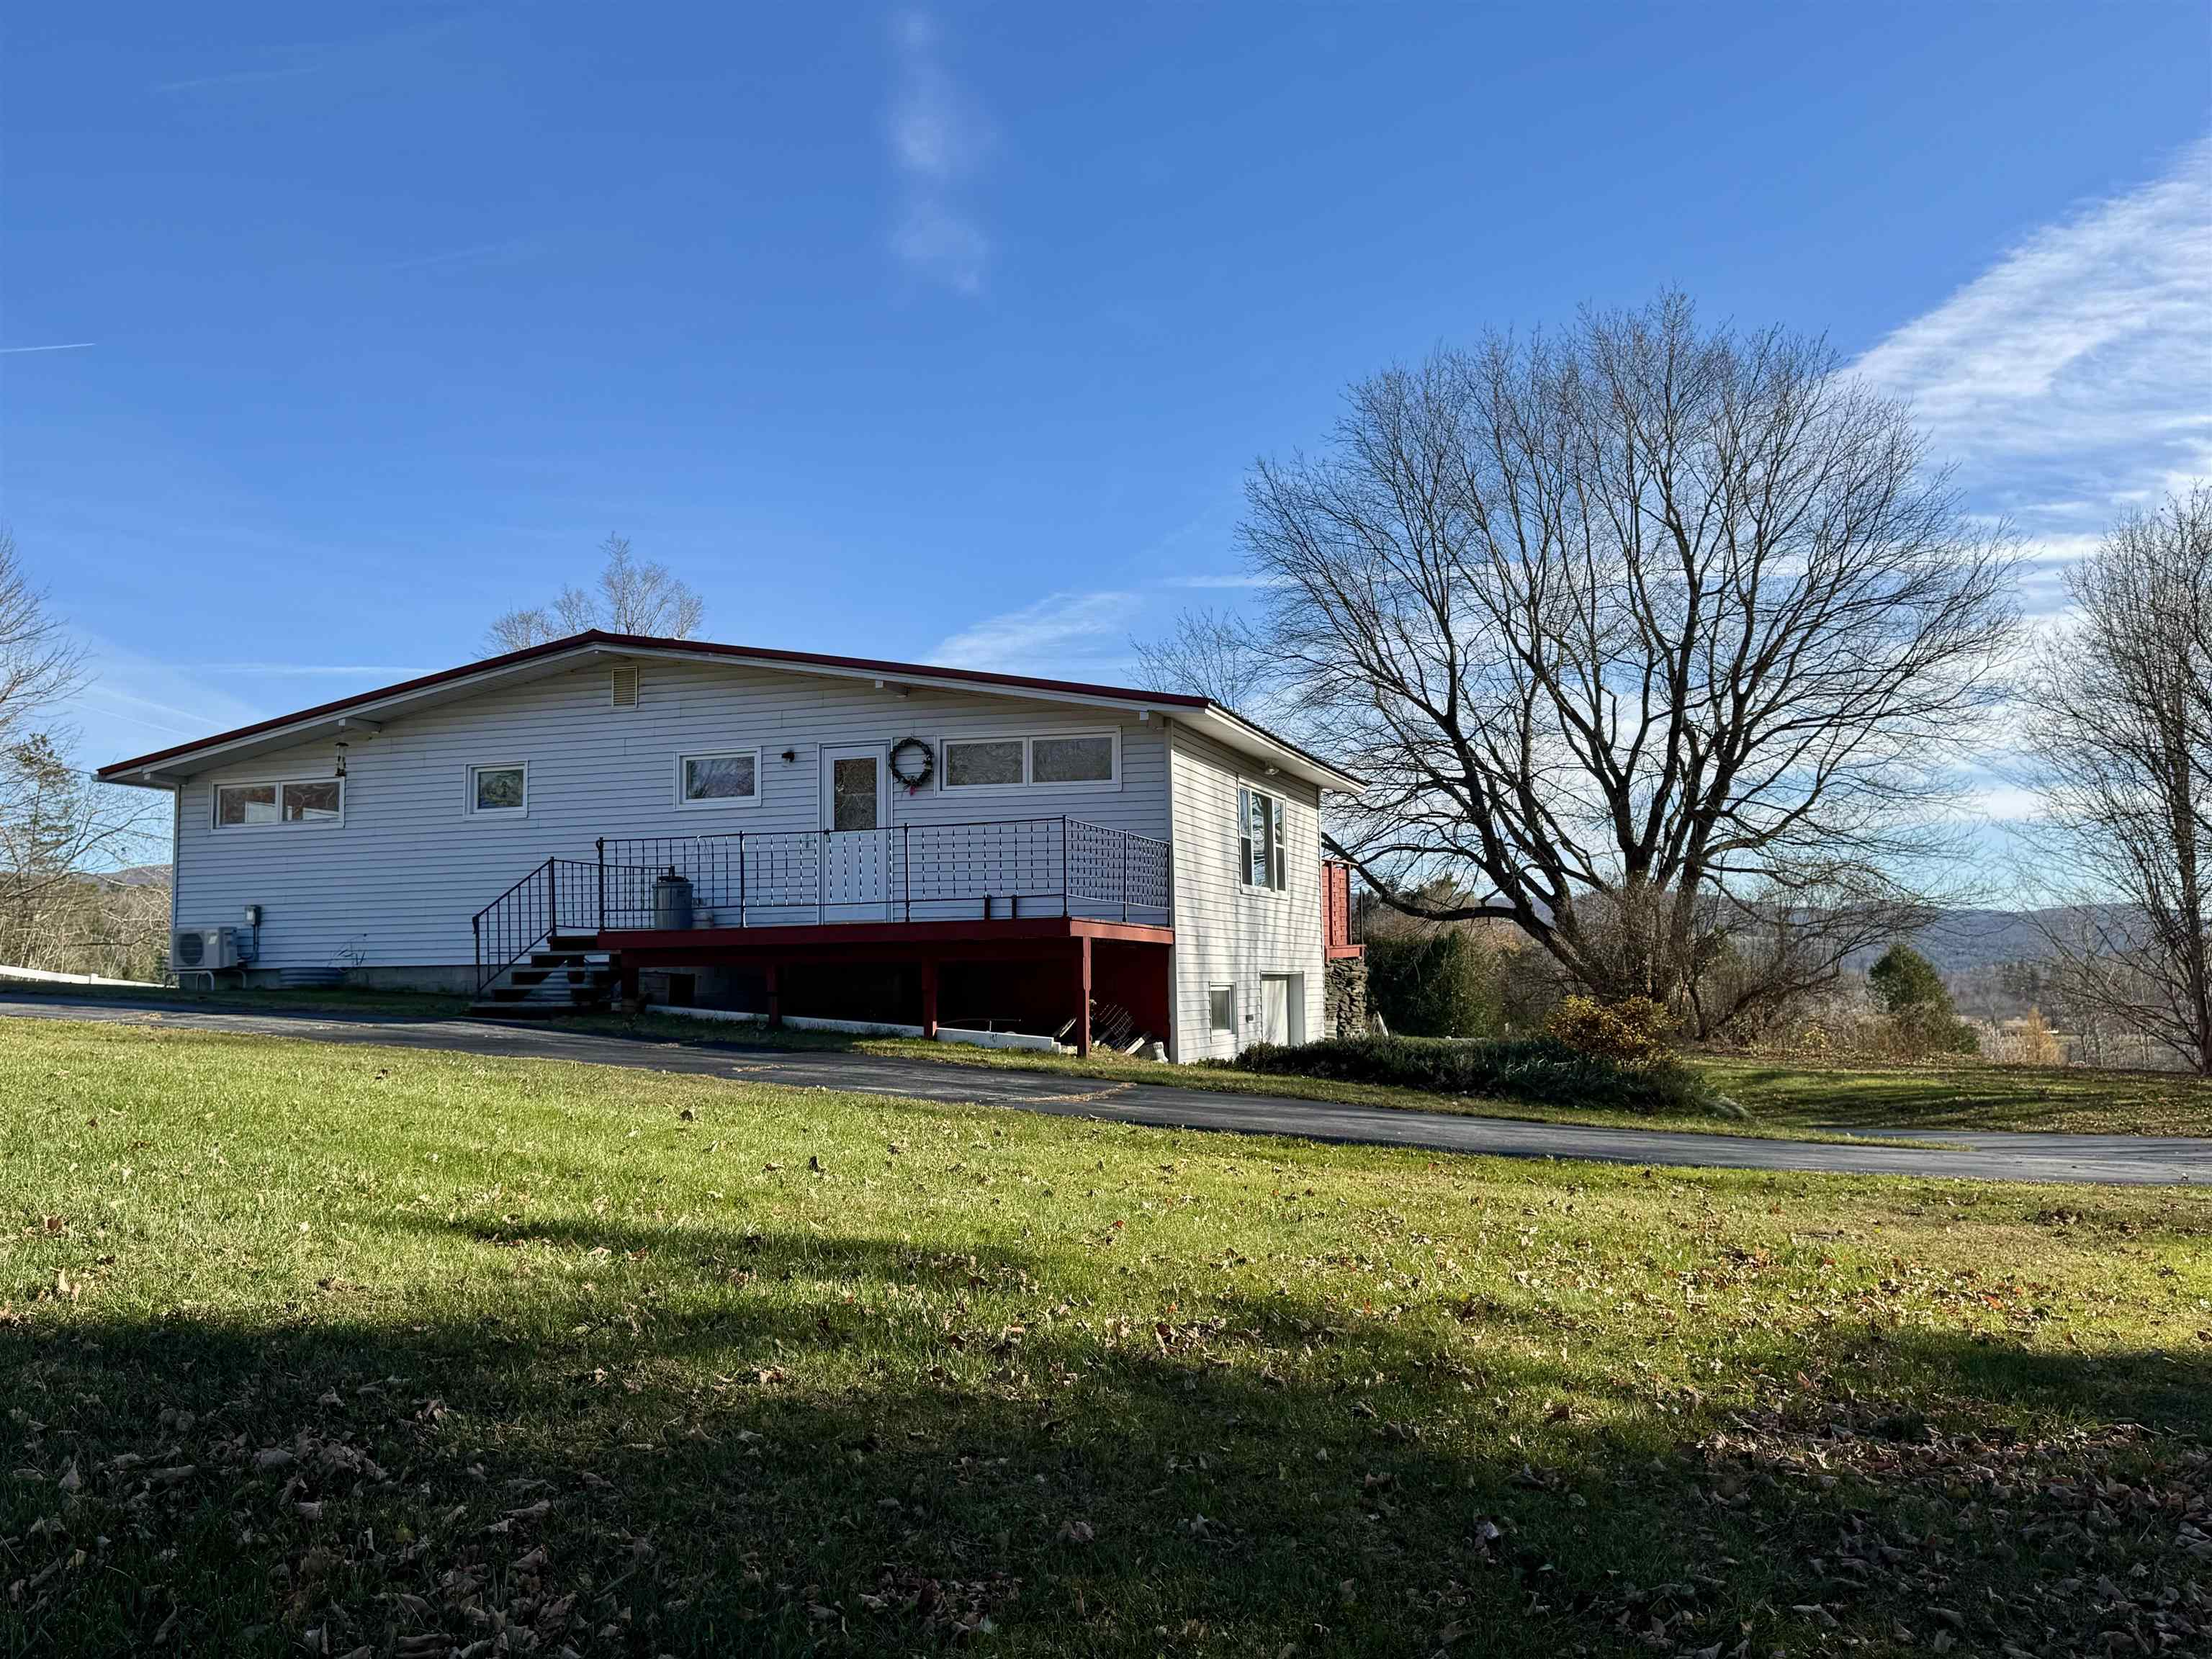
1127	961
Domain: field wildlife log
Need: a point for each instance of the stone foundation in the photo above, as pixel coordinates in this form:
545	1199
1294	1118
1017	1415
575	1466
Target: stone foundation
1343	997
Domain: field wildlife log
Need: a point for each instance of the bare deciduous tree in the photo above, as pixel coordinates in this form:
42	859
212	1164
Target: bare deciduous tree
1213	654
60	831
633	597
39	663
2120	727
56	825
1656	639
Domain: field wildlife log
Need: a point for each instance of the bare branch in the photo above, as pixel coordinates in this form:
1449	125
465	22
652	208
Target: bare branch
1657	640
2122	738
630	597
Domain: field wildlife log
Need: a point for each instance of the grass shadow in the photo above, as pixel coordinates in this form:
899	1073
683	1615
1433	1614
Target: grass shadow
710	1439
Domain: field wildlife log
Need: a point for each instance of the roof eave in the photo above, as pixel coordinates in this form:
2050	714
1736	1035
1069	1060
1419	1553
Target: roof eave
167	768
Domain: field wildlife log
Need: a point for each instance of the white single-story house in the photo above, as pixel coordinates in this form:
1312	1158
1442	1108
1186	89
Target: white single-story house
771	831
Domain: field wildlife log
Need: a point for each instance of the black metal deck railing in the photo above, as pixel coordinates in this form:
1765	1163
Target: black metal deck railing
987	870
998	868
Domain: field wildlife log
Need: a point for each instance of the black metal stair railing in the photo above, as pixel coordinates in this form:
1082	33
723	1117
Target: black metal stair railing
561	896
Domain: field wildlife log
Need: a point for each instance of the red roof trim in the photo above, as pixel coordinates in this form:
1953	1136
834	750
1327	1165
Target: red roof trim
646	642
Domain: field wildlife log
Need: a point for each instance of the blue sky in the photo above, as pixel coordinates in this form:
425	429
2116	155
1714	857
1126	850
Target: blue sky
950	333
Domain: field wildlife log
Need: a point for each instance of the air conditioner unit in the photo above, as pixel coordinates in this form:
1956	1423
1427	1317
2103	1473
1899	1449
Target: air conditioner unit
202	950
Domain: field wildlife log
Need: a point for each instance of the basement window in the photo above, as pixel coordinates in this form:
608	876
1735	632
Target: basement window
1221	1008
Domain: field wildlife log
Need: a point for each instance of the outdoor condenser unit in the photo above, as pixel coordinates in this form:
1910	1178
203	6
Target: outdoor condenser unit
198	949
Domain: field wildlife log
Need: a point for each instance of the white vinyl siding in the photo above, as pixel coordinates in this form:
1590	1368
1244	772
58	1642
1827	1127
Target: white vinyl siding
1229	931
401	881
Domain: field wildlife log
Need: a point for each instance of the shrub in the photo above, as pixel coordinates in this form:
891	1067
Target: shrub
1904	979
1633	1031
1437	983
1539	1069
1922	1018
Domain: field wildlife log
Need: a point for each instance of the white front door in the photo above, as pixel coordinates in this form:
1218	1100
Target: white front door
1282	1008
856	851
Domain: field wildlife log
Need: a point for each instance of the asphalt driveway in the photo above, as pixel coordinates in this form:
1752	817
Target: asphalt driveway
1992	1156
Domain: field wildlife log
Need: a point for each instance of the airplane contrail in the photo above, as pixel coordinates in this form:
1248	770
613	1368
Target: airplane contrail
72	345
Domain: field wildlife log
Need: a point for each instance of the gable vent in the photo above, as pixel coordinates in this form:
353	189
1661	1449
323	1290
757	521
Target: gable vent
622	685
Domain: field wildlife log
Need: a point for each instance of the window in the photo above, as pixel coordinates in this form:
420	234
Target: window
1072	760
1221	1008
299	801
499	790
998	763
317	802
1259	841
726	780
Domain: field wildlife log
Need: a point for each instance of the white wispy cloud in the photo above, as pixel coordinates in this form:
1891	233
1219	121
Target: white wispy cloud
130	704
501	252
1059	630
2072	376
243	77
303	670
936	138
1227	579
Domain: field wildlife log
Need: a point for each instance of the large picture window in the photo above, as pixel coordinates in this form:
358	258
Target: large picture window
279	801
1070	760
729	779
1260	862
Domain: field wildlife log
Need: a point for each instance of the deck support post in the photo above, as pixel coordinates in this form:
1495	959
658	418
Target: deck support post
774	998
628	979
1082	994
929	999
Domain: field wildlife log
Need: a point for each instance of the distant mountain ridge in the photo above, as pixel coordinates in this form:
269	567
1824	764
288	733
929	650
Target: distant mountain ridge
1962	939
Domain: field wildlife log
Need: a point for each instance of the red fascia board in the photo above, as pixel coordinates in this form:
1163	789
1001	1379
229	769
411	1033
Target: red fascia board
844	938
647	642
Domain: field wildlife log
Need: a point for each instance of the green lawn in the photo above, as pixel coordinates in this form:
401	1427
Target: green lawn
1794	1099
1219	1079
1900	1099
371	1351
336	999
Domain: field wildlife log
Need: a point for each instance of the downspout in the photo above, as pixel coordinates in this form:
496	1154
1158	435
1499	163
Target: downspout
176	875
1174	888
